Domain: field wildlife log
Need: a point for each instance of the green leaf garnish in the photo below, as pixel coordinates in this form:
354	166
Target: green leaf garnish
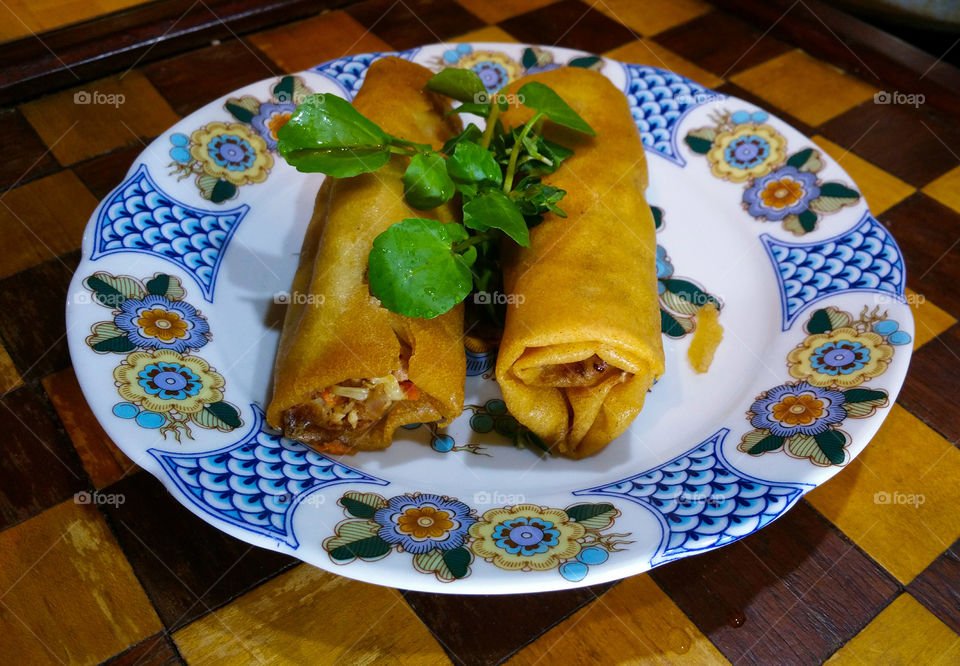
470	163
462	85
414	270
494	209
328	135
542	98
470	133
426	183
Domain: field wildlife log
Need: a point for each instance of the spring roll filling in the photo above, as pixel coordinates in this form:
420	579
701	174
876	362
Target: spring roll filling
587	372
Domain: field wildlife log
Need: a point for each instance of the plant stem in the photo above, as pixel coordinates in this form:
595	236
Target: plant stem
491	124
516	150
474	240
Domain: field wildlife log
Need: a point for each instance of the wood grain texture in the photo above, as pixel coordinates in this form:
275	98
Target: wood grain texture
42	220
9	377
796	588
509	626
157	650
569	23
897	500
103	461
187	566
75	130
332	35
38	467
929	320
105	172
903	633
647	52
190	80
946	189
31	159
938	587
927	234
22	18
721	44
490	33
733	89
310	616
635	622
649	17
880	189
916	145
494	11
930	391
39	348
827	91
92	605
414	22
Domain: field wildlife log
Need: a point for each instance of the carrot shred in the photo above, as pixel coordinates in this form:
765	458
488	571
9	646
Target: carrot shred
410	390
328	397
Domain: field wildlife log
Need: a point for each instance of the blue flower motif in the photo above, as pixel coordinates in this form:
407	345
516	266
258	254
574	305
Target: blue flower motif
664	268
421	522
169	381
271	117
789	410
786	191
156	322
231	152
526	536
841	357
747	151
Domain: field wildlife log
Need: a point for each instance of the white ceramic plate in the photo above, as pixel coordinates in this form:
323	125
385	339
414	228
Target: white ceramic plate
187	261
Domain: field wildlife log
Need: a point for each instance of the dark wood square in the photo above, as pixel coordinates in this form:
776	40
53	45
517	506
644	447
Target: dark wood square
569	23
104	172
914	144
792	593
722	44
930	391
414	22
190	80
29	158
158	650
39	467
938	587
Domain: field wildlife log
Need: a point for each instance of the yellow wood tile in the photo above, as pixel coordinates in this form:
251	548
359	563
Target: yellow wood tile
308	616
99	116
881	189
21	18
635	622
42	220
898	499
645	52
649	17
946	189
331	35
67	593
9	377
494	11
929	320
104	462
903	633
805	87
489	34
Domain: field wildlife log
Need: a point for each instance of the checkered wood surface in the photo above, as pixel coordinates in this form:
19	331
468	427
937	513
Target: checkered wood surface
840	577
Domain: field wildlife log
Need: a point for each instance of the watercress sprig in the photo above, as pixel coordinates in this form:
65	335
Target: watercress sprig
421	267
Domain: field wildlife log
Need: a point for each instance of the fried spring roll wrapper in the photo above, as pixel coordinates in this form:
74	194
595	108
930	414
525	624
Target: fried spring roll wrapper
582	348
343	334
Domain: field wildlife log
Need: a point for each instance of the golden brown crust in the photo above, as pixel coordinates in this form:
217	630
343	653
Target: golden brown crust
588	281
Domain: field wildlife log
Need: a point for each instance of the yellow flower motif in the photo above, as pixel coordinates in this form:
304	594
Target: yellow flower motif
425	521
526	536
843	357
164	380
162	324
231	152
748	151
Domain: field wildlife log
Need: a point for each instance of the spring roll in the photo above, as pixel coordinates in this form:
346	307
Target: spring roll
349	372
582	346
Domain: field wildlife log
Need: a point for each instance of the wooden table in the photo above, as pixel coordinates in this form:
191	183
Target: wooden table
841	577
